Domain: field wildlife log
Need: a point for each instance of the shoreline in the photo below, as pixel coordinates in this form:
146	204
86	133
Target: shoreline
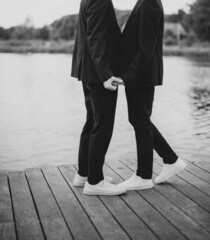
191	51
66	47
36	46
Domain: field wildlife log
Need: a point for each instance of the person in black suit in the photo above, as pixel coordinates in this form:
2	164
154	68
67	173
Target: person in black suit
96	62
142	46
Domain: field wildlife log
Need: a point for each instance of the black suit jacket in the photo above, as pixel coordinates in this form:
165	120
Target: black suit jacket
96	51
142	45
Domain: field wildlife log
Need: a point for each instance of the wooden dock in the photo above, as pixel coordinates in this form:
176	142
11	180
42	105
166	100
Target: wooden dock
43	204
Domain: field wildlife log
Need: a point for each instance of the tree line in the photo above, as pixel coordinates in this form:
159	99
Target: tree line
63	28
196	21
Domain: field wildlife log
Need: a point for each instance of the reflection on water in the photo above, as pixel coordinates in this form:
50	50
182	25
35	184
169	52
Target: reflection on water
201	111
199	97
42	111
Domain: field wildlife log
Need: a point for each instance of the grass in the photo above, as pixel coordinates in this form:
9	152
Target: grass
62	46
196	50
36	46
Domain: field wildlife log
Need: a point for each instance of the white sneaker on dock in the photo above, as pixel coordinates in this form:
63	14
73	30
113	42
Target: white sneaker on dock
103	188
80	181
136	183
169	170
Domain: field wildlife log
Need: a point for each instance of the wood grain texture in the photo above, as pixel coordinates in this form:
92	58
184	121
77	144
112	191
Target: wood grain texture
40	204
53	223
103	220
7	224
126	217
193	180
26	218
183	202
144	210
76	218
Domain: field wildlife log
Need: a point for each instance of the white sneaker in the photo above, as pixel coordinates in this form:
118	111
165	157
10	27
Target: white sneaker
79	181
169	170
136	183
103	188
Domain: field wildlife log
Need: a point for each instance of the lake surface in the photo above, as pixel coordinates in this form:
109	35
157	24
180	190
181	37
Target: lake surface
42	111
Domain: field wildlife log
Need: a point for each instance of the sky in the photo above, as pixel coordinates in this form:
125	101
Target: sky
42	12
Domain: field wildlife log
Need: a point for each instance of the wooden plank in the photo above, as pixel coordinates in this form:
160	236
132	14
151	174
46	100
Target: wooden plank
193	180
76	219
153	219
184	223
181	221
189	190
184	203
51	218
7	225
27	222
204	165
129	221
6	214
198	172
104	222
7	231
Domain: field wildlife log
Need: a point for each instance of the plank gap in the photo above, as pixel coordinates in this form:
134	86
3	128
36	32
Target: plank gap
13	211
80	203
187	181
57	203
153	207
37	212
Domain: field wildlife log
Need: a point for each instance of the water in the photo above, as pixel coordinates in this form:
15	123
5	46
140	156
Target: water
42	111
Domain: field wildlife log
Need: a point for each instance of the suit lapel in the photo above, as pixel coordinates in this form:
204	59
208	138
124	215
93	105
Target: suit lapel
160	4
114	14
138	4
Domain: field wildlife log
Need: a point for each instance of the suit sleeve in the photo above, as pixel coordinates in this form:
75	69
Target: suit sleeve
149	22
97	20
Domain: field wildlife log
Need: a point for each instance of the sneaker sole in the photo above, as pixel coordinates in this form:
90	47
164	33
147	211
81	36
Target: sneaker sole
172	174
91	193
78	184
140	188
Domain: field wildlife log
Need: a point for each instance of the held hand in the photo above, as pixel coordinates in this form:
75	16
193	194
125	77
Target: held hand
112	83
118	82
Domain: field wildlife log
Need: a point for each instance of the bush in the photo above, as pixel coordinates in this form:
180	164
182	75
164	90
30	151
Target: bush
170	38
200	12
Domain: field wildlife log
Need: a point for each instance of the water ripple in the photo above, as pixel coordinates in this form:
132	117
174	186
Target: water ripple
42	111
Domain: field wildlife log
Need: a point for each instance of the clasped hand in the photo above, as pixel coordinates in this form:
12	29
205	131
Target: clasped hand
112	83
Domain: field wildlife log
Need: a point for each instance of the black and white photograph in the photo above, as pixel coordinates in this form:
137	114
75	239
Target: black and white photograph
105	120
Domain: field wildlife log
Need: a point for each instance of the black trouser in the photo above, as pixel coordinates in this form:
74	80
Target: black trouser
140	103
97	132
